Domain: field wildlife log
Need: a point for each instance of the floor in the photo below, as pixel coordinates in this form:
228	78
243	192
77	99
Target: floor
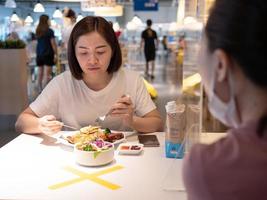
167	82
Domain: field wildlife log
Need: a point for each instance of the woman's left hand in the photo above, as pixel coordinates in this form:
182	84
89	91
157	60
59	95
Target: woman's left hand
123	108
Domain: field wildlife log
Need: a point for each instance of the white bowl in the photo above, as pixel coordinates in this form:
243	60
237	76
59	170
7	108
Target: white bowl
93	158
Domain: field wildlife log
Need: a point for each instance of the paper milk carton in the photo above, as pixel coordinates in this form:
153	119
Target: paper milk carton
175	130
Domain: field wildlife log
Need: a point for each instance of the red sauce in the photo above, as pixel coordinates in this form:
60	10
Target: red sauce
135	147
125	147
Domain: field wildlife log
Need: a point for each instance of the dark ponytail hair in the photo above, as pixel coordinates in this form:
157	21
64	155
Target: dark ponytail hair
239	28
43	26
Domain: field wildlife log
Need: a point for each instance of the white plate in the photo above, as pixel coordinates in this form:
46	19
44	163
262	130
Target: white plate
60	137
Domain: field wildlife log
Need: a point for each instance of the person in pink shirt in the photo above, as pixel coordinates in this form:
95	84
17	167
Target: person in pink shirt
233	67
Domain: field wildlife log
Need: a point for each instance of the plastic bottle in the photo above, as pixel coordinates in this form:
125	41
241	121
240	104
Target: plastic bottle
175	130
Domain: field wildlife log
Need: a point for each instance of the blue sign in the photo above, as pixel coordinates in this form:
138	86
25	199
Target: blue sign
146	5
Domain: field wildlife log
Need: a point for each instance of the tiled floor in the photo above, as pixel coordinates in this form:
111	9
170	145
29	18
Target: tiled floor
167	81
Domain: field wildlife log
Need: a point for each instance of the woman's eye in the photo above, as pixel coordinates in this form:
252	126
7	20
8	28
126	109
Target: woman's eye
100	52
83	53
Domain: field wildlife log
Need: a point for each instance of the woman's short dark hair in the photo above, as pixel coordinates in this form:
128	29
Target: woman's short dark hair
93	24
239	28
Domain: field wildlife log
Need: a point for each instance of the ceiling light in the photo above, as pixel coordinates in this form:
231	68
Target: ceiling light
79	17
10	4
14	17
38	7
57	13
28	19
136	20
131	26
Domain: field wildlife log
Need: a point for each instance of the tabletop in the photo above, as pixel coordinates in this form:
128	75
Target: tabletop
39	167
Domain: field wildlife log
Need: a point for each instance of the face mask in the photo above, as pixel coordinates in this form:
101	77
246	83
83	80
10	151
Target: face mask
224	112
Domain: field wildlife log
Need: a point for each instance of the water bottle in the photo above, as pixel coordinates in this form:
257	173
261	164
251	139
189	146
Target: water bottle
175	130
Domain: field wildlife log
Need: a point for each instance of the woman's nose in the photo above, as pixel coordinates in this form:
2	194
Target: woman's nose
92	59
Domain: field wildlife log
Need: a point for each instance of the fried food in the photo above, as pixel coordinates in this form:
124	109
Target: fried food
86	134
112	137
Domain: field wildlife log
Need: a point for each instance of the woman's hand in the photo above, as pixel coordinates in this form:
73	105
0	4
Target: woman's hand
123	108
49	125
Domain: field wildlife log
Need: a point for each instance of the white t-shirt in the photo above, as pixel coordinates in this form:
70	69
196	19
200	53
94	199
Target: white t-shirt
72	102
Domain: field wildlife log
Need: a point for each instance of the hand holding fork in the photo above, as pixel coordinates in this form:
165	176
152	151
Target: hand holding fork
123	108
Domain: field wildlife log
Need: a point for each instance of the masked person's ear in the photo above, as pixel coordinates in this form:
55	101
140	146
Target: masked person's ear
223	67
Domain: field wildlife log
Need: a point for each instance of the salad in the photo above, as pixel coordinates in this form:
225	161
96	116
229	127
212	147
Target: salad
95	146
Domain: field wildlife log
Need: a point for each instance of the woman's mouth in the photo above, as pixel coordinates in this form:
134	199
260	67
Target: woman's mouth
93	68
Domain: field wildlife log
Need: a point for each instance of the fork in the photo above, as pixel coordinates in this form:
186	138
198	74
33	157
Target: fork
71	127
100	119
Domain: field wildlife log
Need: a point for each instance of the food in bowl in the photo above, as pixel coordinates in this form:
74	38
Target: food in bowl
91	133
97	145
96	153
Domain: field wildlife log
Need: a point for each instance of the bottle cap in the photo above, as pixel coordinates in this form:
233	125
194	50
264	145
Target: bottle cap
172	107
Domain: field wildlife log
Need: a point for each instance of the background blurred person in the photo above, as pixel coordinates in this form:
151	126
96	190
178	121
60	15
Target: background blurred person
166	48
232	64
181	42
165	42
46	51
31	52
13	36
150	43
69	20
181	50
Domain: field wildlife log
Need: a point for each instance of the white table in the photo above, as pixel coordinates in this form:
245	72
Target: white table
31	165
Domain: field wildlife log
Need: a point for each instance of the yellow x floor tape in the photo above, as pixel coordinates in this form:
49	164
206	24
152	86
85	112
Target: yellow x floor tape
92	177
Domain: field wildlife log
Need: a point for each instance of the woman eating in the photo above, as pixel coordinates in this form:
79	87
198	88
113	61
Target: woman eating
94	86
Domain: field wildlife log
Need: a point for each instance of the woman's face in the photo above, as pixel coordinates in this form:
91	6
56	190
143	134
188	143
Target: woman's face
93	54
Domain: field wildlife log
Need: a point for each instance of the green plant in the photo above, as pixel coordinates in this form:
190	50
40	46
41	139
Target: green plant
12	44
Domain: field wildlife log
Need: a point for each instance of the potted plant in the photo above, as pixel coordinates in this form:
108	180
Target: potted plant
12	44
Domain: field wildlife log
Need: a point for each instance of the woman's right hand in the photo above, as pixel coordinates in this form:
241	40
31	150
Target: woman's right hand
49	125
